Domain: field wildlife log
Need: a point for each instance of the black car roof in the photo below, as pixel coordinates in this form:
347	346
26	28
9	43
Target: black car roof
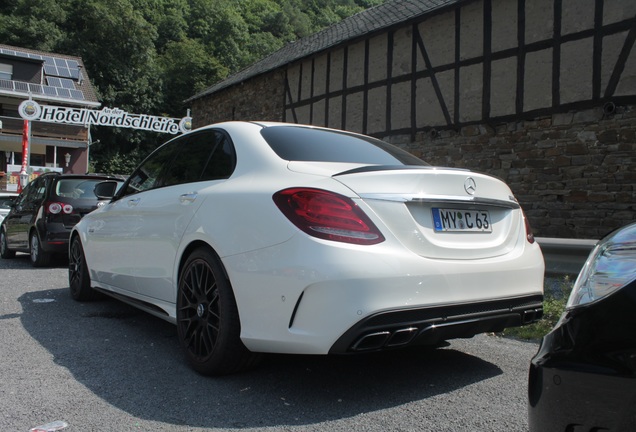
83	176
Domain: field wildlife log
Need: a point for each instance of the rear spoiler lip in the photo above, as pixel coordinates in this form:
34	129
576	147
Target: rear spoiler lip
371	168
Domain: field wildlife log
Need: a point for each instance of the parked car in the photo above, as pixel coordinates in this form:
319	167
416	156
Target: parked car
41	218
6	198
280	238
583	377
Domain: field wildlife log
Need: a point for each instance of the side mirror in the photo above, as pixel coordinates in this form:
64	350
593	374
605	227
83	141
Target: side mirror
106	189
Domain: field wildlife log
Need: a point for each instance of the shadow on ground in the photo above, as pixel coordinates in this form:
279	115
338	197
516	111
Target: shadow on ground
132	361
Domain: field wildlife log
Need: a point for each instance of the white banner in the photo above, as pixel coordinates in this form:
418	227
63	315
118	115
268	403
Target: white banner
31	110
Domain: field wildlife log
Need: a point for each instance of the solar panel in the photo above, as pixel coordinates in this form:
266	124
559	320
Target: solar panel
75	73
50	69
35	88
67	83
50	91
21	86
77	94
64	72
60	73
55	66
54	82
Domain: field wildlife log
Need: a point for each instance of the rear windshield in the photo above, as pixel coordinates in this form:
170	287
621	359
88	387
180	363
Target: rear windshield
76	188
295	143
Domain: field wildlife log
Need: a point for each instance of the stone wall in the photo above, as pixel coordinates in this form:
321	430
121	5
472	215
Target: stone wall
261	99
573	173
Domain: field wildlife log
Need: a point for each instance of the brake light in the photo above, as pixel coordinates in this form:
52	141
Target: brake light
327	215
56	208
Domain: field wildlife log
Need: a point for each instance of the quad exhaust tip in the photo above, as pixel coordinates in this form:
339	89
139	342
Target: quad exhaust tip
385	339
390	338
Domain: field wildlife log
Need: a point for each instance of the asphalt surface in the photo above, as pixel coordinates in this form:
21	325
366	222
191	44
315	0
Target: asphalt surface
104	366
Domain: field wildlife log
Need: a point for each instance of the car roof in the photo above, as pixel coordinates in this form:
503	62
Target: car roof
83	176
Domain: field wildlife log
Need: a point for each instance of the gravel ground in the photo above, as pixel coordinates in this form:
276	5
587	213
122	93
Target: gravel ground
104	366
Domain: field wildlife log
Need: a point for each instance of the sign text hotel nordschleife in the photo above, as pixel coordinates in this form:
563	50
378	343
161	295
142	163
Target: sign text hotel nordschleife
31	110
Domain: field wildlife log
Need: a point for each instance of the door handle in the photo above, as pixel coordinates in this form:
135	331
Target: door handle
188	197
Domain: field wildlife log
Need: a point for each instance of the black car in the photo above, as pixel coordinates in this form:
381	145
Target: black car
584	376
42	216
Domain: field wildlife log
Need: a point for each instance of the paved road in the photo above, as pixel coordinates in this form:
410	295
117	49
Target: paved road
104	366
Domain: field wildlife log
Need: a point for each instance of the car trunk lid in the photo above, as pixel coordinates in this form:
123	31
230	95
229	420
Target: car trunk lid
440	212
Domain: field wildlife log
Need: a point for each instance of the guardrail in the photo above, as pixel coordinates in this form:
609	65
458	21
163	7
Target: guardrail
565	256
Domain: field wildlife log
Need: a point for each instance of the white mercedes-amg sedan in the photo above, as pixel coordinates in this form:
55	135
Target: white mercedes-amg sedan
259	237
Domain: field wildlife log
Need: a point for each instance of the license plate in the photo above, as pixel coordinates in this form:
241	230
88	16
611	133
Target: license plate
460	220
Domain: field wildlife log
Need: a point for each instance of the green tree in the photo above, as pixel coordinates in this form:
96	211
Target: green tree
116	162
218	25
35	24
117	45
187	68
169	17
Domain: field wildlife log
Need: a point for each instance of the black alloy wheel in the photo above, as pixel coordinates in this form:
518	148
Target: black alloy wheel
208	323
39	258
4	247
78	279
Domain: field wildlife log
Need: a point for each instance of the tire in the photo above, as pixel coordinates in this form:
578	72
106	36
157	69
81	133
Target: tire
208	324
4	247
78	279
39	258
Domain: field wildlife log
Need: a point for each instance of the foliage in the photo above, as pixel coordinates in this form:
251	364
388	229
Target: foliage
186	70
148	56
33	24
555	298
118	163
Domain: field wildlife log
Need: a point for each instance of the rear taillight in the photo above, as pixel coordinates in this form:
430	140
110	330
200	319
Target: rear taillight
529	234
56	208
327	215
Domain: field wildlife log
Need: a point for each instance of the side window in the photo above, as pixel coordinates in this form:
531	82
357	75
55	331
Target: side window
148	175
36	191
21	200
191	159
223	160
198	156
41	191
205	155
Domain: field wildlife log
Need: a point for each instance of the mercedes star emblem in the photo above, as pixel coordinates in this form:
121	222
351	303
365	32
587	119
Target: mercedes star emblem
470	186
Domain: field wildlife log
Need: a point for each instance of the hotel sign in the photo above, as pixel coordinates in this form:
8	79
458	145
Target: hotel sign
31	110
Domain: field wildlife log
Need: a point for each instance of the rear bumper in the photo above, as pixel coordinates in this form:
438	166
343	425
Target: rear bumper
333	298
54	237
432	325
